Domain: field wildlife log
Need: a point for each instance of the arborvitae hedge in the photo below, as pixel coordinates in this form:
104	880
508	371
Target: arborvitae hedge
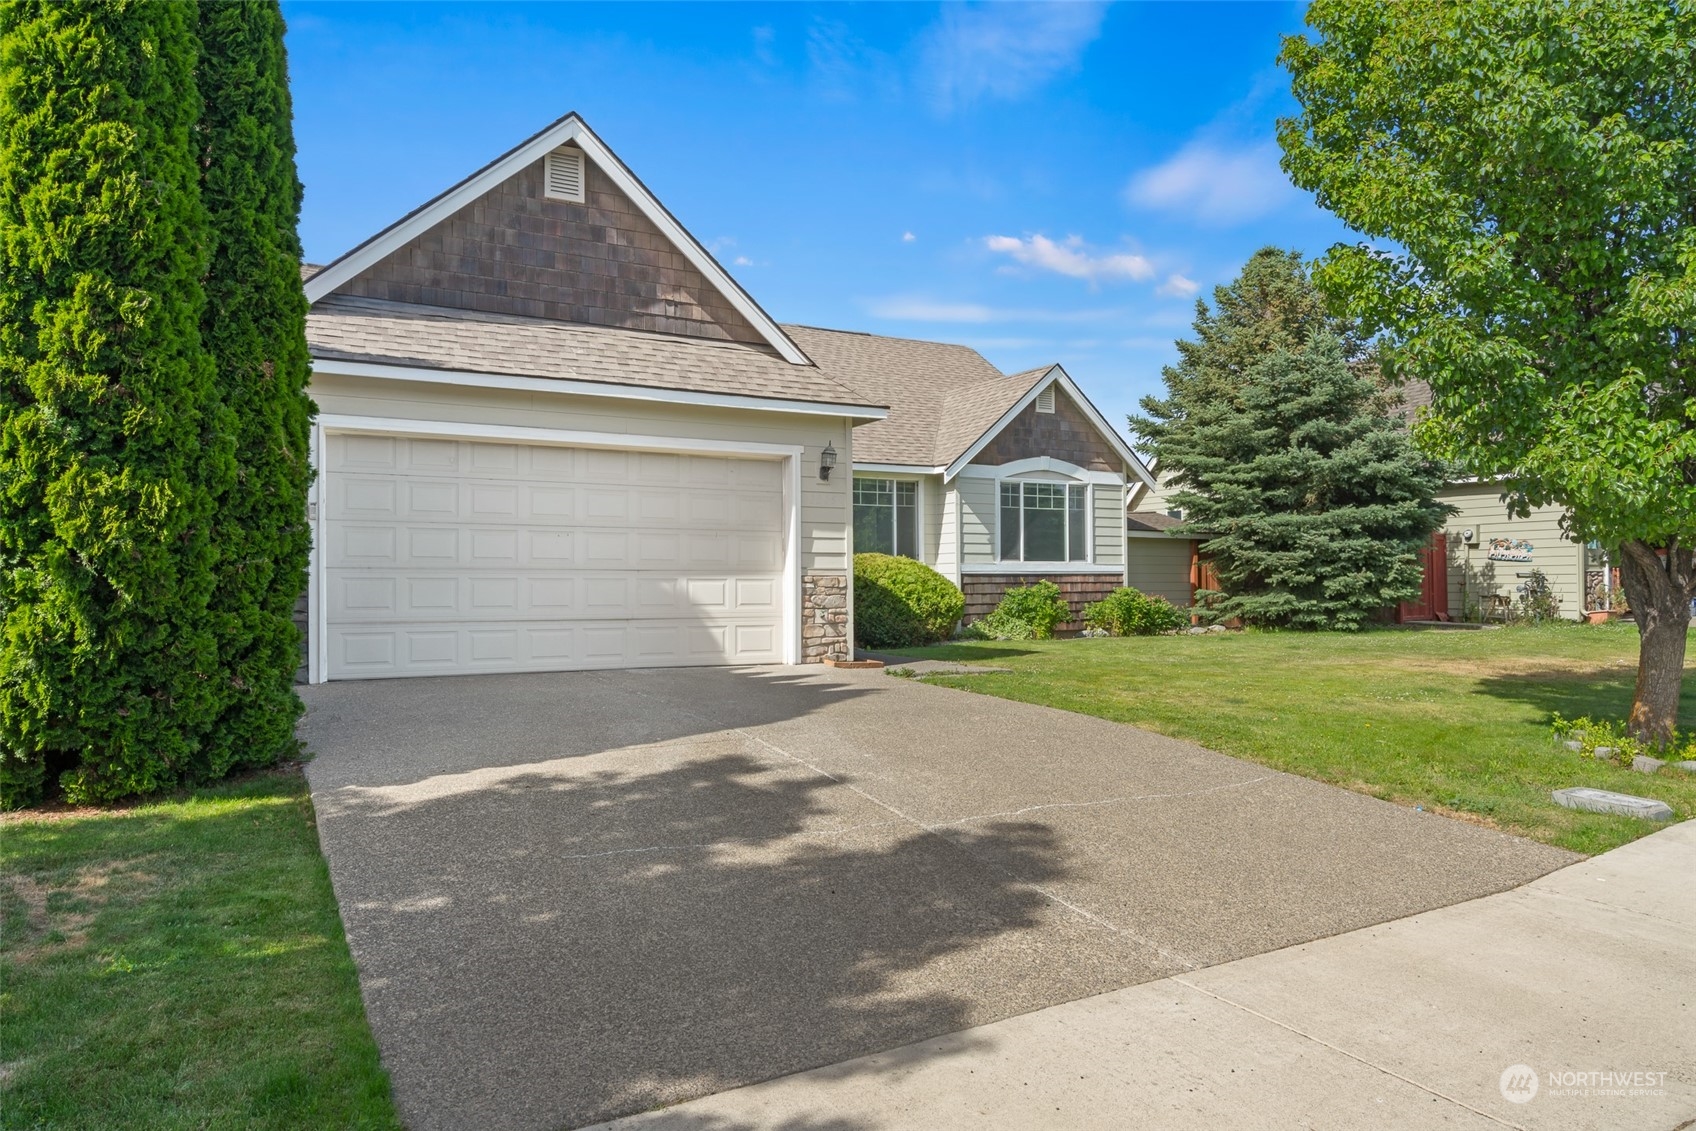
109	443
254	326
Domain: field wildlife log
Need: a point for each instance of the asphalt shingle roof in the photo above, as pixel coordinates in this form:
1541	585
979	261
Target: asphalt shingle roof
941	397
1150	521
427	337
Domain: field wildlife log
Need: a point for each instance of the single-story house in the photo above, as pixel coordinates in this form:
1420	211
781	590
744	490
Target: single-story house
1482	556
1477	562
555	433
993	480
1157	561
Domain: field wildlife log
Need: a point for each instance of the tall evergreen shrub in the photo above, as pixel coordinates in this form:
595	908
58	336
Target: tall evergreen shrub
254	326
1276	434
1314	501
111	451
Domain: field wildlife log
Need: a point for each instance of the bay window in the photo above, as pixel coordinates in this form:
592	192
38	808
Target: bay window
886	517
1044	522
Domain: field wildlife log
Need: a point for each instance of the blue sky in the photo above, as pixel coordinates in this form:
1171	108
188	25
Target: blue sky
1049	182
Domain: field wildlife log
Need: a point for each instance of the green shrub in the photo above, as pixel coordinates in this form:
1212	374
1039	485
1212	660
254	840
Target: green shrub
1130	612
1536	602
1040	606
113	442
899	602
1596	735
254	327
997	626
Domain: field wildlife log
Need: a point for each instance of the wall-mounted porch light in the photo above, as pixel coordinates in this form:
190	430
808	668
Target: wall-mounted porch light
827	460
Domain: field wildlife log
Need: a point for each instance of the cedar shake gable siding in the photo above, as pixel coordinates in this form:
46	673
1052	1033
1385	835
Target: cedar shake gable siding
514	251
1065	433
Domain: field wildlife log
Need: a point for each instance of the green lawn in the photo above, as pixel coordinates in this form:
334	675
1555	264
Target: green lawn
1455	721
180	964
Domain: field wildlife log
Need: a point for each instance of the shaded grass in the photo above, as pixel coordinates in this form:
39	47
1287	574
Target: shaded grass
180	964
1455	721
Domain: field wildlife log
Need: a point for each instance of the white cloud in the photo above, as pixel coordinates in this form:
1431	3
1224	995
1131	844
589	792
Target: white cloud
1002	50
843	67
908	309
1177	286
1215	184
742	261
765	40
908	237
1071	257
918	308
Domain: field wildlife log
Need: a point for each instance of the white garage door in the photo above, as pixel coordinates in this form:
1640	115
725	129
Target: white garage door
471	556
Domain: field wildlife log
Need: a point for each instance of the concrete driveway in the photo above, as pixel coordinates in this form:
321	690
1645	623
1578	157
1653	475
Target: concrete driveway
578	896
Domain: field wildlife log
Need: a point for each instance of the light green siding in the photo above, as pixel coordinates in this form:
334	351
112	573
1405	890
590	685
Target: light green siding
1473	576
948	535
977	520
930	519
1109	524
1160	566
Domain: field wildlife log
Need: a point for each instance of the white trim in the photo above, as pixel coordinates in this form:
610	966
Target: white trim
390	425
315	561
567	387
847	542
1055	374
1041	567
1124	533
570	128
898	468
792	560
1039	463
792	454
1162	534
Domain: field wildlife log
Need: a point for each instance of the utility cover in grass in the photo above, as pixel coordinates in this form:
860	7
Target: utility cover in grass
1607	801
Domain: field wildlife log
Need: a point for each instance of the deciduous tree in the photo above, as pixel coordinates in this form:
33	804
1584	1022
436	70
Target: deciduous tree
1534	165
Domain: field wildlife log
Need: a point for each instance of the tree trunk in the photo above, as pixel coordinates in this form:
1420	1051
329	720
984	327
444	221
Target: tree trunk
1659	586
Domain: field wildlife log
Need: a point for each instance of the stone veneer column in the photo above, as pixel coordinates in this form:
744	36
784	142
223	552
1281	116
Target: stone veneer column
824	618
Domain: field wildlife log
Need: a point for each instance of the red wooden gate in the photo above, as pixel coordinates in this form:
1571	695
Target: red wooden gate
1433	600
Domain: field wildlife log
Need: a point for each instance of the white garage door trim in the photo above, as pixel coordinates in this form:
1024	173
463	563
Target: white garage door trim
318	607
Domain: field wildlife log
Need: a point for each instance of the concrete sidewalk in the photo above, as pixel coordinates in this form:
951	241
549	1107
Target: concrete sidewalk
1409	1024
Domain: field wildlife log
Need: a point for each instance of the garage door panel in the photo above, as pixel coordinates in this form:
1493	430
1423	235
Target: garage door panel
445	556
494	547
659	468
432	546
353	452
431	456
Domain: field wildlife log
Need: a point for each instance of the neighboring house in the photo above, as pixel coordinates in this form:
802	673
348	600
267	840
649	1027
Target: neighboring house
992	480
555	434
1482	556
1156	561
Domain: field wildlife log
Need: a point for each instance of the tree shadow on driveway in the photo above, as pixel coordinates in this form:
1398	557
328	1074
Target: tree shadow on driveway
562	943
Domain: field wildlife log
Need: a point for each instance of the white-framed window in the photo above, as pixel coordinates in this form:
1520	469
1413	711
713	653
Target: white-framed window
1044	522
886	517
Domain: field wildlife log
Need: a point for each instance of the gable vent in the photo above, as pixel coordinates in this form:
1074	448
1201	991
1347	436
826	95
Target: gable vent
562	175
1045	400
